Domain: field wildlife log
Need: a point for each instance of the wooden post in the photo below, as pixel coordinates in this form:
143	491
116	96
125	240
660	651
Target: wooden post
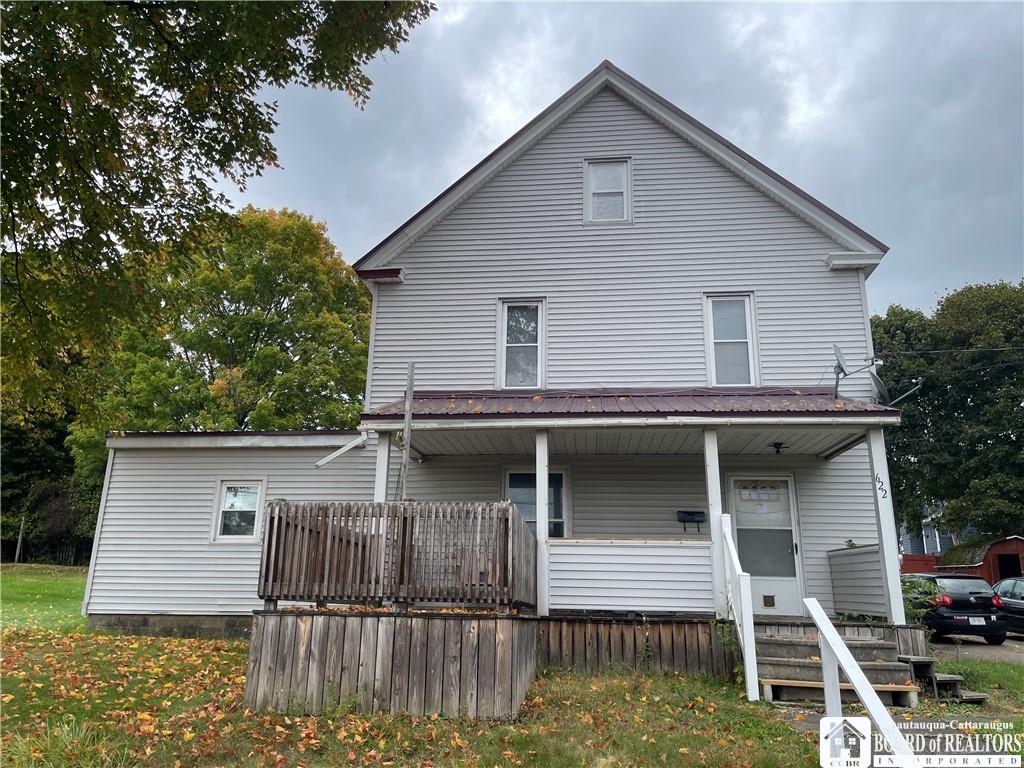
542	522
21	536
380	480
888	542
403	475
712	477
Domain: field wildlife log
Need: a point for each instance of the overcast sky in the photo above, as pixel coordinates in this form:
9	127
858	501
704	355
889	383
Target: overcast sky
907	119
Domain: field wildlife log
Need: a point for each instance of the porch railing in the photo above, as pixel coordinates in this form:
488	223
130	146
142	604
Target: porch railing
836	654
367	552
741	608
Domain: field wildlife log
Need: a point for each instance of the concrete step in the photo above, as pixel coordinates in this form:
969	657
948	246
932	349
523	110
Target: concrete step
780	689
877	672
806	647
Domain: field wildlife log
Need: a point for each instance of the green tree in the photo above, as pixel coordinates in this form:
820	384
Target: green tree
959	452
268	330
119	120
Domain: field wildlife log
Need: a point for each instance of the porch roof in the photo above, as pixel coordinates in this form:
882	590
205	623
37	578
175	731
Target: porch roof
794	402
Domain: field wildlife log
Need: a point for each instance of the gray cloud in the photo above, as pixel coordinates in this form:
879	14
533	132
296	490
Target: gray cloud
908	119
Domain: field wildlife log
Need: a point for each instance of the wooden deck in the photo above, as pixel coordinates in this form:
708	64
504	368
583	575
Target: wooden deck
450	665
470	554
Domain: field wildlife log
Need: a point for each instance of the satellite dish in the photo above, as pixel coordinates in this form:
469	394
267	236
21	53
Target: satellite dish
841	366
881	393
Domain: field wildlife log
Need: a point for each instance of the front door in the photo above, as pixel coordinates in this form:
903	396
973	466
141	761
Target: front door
765	539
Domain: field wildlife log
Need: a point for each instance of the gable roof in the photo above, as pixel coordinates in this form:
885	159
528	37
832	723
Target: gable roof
862	246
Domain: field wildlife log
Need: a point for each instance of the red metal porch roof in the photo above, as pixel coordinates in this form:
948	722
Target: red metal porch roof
746	401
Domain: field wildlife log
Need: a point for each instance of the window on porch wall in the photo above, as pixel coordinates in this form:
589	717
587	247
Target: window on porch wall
522	491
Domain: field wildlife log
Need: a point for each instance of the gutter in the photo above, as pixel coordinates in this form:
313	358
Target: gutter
388	425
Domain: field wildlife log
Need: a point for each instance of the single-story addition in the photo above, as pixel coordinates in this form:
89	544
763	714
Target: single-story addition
639	483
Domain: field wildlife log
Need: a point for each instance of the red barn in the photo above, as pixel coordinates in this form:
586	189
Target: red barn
993	561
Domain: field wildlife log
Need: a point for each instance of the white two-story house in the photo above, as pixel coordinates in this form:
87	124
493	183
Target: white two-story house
618	320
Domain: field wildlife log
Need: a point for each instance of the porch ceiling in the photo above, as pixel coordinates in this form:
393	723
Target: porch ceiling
651	441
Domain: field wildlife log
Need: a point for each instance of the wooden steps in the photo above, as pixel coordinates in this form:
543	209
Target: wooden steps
891	694
789	669
940	684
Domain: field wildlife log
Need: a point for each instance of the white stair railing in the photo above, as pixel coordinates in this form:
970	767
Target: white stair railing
741	609
835	654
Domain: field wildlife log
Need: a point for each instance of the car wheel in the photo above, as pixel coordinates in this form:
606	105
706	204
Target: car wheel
996	640
939	637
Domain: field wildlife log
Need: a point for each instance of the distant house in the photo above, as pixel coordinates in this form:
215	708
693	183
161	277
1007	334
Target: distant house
620	321
931	541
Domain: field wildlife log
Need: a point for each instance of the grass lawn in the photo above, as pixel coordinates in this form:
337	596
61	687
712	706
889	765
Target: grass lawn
77	698
45	596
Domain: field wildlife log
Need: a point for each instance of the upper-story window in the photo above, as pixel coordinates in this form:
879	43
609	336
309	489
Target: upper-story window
522	334
608	198
731	340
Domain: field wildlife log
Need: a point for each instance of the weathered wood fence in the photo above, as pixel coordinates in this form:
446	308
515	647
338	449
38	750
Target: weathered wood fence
451	665
656	646
359	552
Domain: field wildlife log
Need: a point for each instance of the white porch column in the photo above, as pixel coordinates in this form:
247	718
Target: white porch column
542	522
380	477
713	479
888	540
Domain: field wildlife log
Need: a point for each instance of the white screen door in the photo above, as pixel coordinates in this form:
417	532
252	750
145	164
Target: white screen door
763	518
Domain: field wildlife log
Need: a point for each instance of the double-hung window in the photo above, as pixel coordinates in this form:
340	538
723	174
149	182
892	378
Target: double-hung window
522	328
607	191
238	510
730	341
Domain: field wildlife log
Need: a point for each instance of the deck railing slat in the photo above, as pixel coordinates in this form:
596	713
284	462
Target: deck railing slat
466	553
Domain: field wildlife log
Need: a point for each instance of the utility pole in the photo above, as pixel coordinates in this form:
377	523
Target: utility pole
21	536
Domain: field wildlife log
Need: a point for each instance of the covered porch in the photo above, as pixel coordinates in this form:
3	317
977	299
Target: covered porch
631	508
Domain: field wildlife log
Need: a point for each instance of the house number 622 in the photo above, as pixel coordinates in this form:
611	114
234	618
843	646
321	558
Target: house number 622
881	487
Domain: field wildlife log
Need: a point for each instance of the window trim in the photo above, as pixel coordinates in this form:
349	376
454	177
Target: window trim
502	335
753	356
218	510
588	218
554	469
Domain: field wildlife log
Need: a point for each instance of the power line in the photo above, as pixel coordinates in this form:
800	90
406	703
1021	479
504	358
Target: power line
943	351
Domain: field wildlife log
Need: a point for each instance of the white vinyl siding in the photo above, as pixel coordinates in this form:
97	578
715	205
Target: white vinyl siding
624	306
155	553
731	341
607	192
858	586
611	575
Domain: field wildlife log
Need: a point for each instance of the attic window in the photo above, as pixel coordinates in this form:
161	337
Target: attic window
608	193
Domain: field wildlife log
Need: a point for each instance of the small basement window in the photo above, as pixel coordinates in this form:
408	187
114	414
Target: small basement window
731	340
521	335
238	509
607	192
